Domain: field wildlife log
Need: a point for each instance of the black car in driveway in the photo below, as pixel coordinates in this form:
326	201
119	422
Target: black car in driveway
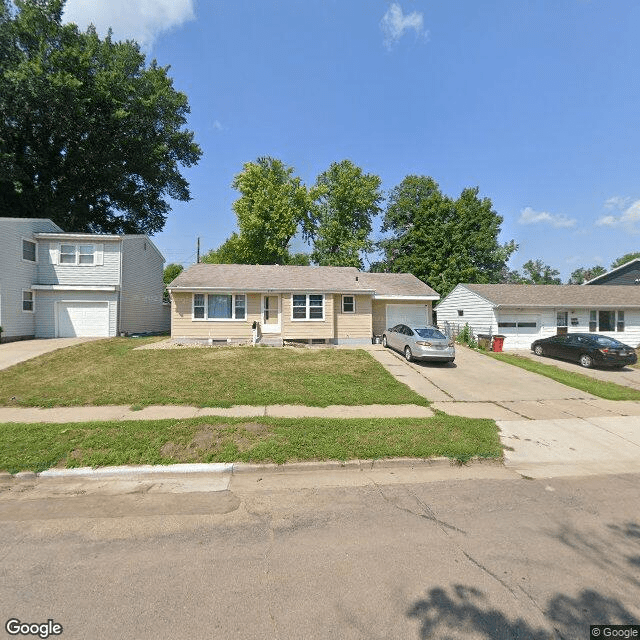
589	349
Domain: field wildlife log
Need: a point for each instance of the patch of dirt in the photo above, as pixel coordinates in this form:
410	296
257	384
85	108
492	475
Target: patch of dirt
213	438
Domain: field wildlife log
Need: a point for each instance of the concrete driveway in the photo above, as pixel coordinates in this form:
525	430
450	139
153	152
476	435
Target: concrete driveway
14	352
628	377
480	387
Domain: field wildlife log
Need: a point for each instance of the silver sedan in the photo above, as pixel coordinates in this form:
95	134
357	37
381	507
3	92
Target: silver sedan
420	343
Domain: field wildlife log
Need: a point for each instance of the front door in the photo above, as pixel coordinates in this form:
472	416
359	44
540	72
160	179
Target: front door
270	314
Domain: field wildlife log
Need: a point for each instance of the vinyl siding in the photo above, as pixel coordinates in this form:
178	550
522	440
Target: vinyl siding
477	312
629	275
142	287
47	309
349	326
16	274
183	325
107	273
306	329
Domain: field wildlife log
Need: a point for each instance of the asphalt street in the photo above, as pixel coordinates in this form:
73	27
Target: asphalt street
478	553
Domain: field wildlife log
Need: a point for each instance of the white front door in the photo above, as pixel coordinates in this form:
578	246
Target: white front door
271	313
83	319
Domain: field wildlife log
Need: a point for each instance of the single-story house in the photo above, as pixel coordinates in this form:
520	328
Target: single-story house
333	305
525	312
627	274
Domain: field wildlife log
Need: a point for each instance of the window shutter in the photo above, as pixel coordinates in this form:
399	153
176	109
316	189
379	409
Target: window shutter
99	258
54	252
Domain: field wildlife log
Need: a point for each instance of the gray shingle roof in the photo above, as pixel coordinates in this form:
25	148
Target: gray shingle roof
557	295
248	277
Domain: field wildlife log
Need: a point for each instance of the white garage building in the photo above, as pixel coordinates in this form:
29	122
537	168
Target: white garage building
524	312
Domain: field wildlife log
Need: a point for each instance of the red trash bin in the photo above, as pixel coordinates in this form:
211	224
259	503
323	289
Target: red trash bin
498	341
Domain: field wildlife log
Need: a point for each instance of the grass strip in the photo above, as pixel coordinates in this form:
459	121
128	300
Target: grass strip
36	447
111	372
600	388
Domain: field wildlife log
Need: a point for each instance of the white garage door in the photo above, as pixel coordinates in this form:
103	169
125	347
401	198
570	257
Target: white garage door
414	315
519	330
83	319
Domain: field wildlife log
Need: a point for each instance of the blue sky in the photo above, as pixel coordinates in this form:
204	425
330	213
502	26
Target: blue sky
536	102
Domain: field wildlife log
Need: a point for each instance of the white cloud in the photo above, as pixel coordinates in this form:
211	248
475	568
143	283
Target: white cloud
394	24
140	20
529	216
629	219
617	202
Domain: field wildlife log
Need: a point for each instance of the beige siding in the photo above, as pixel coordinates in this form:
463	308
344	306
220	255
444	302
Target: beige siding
142	287
183	325
305	329
353	325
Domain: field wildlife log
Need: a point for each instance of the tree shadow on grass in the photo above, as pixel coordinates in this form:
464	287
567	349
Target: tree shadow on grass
466	612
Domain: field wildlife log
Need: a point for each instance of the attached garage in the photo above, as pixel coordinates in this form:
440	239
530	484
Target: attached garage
519	329
82	319
414	315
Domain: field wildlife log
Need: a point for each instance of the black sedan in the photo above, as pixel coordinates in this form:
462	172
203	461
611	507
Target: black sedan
589	349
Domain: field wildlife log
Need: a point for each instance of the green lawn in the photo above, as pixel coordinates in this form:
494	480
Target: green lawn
112	372
600	388
37	447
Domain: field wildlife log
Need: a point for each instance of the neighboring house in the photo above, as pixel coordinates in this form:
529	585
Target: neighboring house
526	312
56	284
336	305
627	274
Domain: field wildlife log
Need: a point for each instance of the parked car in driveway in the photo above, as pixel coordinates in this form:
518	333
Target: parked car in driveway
420	343
589	349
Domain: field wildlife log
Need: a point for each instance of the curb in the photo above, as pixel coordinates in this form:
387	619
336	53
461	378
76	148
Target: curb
244	467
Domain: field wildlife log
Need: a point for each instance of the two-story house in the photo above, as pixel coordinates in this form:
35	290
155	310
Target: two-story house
58	284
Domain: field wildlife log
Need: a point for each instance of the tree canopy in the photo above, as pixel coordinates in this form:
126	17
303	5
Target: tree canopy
583	274
347	200
272	206
537	272
440	240
90	136
627	257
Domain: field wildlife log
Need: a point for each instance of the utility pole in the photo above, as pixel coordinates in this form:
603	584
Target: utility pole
198	251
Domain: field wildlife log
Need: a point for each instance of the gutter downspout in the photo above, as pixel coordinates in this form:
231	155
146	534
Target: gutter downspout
120	289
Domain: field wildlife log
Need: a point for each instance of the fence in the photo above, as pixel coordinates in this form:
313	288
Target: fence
480	335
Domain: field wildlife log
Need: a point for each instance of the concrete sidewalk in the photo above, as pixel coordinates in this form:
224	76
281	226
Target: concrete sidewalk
164	412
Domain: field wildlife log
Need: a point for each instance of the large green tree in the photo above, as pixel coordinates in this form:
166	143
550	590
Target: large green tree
537	272
440	240
273	205
90	136
347	200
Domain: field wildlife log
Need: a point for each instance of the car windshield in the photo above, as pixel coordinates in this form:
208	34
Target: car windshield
430	334
603	341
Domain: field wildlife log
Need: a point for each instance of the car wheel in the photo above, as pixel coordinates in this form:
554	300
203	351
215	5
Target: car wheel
586	361
407	354
539	351
384	342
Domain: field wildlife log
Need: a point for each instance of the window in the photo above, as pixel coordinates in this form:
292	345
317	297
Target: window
593	321
215	306
27	300
562	319
308	306
605	320
620	323
348	304
460	312
29	250
506	325
77	254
